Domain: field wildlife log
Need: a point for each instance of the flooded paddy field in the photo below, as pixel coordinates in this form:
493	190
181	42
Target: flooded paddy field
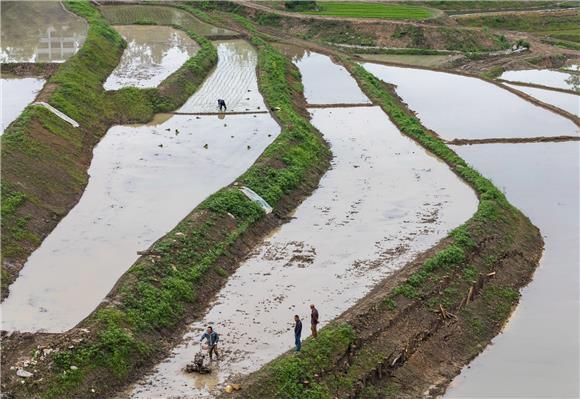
123	14
384	200
234	80
152	54
17	93
473	108
537	355
420	60
544	77
143	180
325	82
565	101
39	31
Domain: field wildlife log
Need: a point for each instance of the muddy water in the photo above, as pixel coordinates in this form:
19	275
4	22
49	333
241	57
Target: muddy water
122	14
567	102
144	180
383	200
39	31
234	81
324	81
545	77
152	54
457	106
538	353
16	95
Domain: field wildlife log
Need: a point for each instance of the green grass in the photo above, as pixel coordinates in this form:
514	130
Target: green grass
153	297
462	6
43	168
372	10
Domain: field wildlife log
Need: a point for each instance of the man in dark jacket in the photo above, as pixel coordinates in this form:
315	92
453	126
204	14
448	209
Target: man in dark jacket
222	105
297	333
212	340
313	320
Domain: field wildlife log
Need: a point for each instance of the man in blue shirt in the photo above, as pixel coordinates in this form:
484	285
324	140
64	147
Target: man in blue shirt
297	333
212	340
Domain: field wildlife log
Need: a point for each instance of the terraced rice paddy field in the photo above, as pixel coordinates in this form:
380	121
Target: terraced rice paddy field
372	10
425	209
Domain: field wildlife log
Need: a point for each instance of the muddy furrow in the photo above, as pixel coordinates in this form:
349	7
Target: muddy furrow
384	200
234	82
144	179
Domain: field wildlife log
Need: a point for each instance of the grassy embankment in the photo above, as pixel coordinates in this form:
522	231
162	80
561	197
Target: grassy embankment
406	315
560	28
419	39
44	159
161	291
371	10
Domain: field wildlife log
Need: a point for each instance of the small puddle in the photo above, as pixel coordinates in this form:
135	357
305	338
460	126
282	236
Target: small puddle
544	77
152	54
457	106
537	355
566	101
143	181
125	14
17	93
384	200
39	31
324	81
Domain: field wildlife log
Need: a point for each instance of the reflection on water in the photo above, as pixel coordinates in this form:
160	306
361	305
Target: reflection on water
457	106
566	101
16	95
39	31
324	81
152	54
545	77
143	180
538	353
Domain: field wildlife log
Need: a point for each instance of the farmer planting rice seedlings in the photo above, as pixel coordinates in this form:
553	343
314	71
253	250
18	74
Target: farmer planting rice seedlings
274	179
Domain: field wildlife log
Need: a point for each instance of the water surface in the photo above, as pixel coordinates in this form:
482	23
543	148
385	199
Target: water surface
152	54
384	200
545	77
17	93
143	181
538	353
457	106
122	14
39	31
325	82
566	101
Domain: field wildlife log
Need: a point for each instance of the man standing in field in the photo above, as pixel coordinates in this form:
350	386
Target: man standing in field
313	320
297	332
212	340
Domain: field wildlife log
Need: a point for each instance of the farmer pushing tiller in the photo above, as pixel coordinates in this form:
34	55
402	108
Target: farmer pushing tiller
197	365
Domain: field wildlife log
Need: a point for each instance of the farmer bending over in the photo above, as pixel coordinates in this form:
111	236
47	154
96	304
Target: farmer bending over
222	105
212	340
